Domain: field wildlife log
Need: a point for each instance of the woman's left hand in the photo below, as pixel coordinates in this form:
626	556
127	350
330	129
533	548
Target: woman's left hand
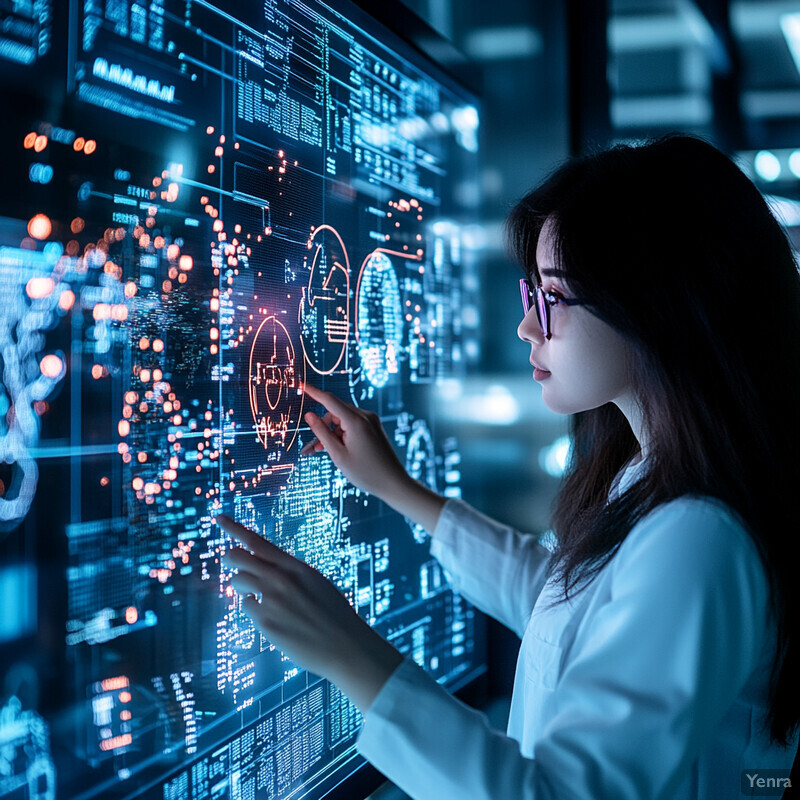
305	615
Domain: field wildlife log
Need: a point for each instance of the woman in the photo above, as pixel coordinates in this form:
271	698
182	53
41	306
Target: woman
659	639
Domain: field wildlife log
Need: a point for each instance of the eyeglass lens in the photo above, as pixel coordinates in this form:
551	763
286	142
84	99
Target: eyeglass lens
535	297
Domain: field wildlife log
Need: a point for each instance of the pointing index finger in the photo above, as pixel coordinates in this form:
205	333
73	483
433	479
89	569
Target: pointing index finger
330	401
260	546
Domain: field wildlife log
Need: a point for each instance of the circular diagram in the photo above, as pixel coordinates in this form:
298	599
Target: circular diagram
275	403
324	313
421	465
379	319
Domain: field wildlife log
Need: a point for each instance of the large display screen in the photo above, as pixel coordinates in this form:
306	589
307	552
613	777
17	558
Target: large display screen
204	205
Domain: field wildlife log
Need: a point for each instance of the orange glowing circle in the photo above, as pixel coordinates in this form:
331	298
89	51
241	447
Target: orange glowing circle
158	345
29	140
144	376
182	278
77	225
39	226
39	143
125	697
159	242
97	371
51	366
78	144
144	343
211	169
66	300
173	251
214	334
38	288
141	458
90	147
131	615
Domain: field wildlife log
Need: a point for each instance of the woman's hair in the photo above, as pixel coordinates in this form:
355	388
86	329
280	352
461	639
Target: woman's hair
678	251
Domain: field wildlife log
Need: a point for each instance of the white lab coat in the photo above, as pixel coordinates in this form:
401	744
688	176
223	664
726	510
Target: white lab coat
651	683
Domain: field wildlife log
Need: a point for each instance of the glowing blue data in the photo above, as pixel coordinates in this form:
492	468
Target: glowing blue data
209	204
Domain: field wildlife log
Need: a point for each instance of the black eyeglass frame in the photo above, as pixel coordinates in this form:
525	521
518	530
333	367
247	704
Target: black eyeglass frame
542	301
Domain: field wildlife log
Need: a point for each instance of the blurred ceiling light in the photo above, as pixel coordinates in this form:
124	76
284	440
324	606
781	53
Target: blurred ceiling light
553	458
790	25
767	165
493	406
794	163
673	110
513	41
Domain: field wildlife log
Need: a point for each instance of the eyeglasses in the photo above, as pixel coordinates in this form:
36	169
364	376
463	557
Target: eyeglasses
543	301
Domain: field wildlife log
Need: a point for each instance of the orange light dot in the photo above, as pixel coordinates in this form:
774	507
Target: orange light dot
144	240
186	263
51	366
39	143
78	144
158	345
131	615
90	147
125	715
124	697
210	129
214	334
97	371
144	376
29	140
130	289
123	427
173	251
141	458
38	288
211	169
144	343
66	300
159	242
39	226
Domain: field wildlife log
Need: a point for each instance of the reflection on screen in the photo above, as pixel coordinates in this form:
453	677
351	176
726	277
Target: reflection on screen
206	204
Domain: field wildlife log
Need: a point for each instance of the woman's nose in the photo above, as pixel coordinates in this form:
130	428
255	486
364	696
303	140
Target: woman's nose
529	330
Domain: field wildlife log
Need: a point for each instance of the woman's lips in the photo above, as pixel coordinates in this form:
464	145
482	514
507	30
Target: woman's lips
540	374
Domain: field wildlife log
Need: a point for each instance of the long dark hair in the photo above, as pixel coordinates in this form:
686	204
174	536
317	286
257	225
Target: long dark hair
678	251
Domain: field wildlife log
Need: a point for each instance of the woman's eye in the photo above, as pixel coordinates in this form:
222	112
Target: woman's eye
552	298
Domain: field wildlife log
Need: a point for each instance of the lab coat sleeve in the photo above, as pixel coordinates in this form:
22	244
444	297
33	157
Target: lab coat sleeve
654	670
498	569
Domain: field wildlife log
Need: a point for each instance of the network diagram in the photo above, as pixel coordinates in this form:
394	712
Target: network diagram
229	204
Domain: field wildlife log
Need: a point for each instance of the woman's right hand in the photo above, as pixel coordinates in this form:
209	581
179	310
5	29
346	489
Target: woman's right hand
358	445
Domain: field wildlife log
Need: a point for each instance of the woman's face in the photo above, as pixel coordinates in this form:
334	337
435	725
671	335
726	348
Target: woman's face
584	363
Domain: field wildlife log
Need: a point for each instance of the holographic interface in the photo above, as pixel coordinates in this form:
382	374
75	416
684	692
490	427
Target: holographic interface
206	204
